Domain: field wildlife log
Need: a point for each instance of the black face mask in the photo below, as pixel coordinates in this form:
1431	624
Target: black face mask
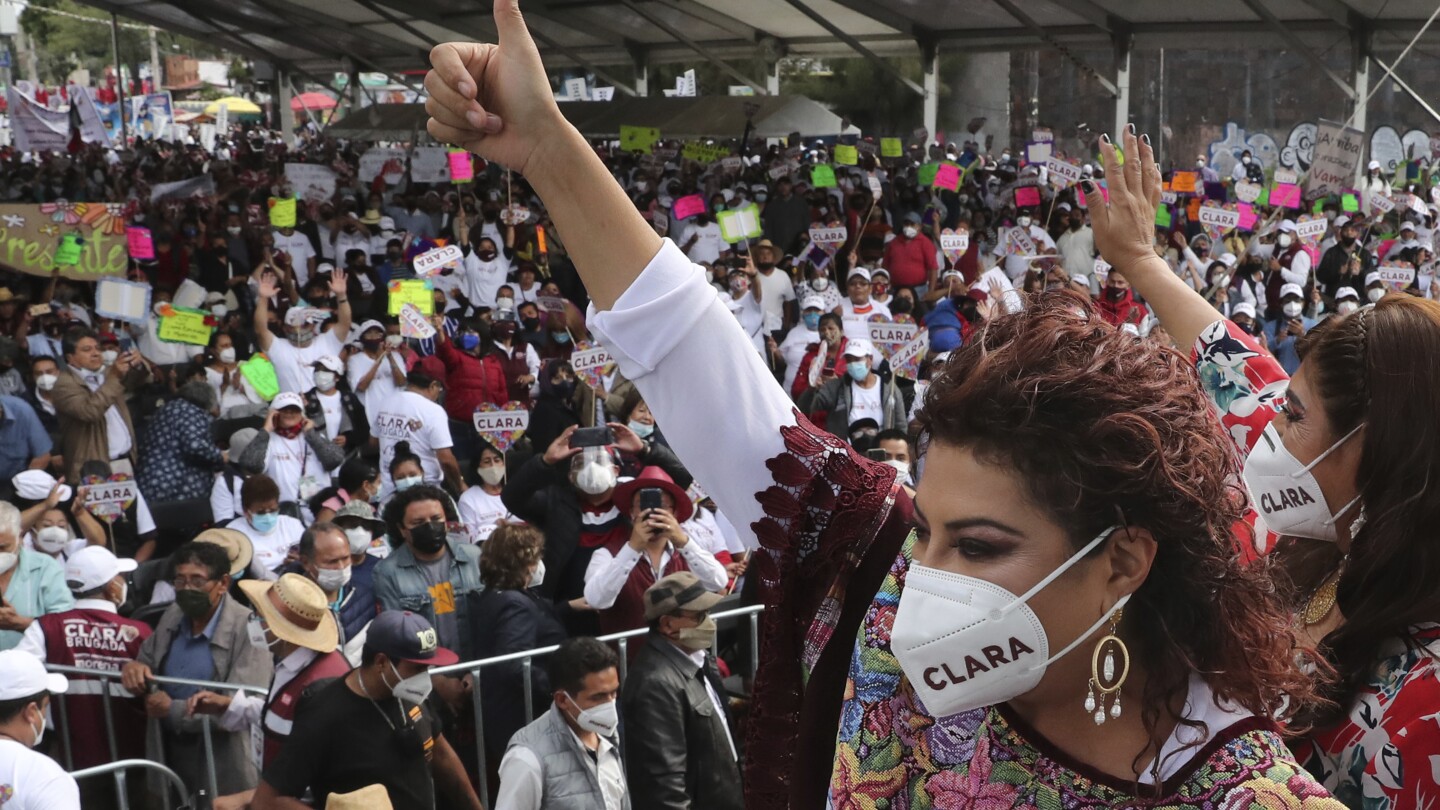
564	389
486	255
371	345
902	306
765	265
428	538
530	324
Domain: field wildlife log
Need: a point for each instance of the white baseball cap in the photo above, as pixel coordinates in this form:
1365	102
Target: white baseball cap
295	316
812	302
1372	278
1292	289
387	223
93	566
859	348
1227	259
1342	220
1407	226
1243	308
949	273
324	267
859	271
368	325
329	362
1287	226
1346	292
1374	164
287	399
22	676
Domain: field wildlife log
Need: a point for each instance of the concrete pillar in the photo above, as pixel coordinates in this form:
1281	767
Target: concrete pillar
930	62
283	94
1123	44
642	78
1360	77
772	79
981	89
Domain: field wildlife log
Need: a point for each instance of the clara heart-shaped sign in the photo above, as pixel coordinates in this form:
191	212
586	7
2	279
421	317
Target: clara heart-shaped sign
889	335
591	363
1248	192
827	237
515	215
501	425
108	498
1217	219
1310	229
954	243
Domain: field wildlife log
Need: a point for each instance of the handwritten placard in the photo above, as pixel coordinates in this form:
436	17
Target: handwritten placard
846	155
1027	196
413	324
1285	195
260	373
822	176
1248	216
436	259
1183	182
891	148
282	212
689	206
740	223
184	325
948	177
638	139
139	243
412	291
501	426
68	254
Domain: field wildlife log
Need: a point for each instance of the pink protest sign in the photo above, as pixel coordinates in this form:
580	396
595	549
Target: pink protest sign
947	176
462	169
1285	195
139	243
1026	195
687	207
1248	216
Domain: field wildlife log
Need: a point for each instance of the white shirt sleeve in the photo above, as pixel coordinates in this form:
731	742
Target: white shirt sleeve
244	711
606	574
521	781
33	641
1299	270
666	325
704	565
49	787
144	521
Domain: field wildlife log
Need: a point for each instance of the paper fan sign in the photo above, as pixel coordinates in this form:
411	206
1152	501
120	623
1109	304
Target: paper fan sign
906	358
108	498
434	260
501	426
590	363
954	243
1248	192
1398	275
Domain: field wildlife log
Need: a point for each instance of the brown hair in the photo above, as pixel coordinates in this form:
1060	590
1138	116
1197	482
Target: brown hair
1106	428
509	554
1377	367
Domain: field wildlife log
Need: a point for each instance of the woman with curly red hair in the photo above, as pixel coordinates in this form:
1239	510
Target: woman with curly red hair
1339	462
1072	629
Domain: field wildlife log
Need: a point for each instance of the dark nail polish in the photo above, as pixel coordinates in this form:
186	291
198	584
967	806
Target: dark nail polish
1145	139
1130	128
1105	137
1088	186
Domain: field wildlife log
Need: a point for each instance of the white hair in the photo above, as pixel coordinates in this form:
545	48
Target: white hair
9	520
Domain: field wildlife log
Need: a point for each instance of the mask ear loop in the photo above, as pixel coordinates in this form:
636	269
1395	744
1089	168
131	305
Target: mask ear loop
1056	574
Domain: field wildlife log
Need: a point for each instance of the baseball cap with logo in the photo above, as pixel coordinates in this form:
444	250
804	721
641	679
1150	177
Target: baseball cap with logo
330	362
94	566
405	636
23	676
859	348
681	590
287	399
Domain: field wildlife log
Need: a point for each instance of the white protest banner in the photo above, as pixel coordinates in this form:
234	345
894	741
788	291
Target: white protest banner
1063	170
433	261
413	324
892	333
108	499
311	182
1224	219
588	363
1038	152
1247	192
1304	228
1381	203
387	160
551	303
603	94
575	90
685	84
828	236
430	164
35	128
876	190
1286	176
222	118
1398	275
121	300
1336	164
956	242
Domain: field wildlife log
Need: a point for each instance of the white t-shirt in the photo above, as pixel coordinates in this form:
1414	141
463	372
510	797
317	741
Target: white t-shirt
865	403
270	549
345	242
752	318
297	246
775	289
797	341
856	323
408	416
710	244
1017	262
293	363
30	780
333	406
287	461
382	385
483	279
232	397
480	511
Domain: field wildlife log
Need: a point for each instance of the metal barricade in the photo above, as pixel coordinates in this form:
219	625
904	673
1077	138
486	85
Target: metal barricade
527	659
119	768
109	688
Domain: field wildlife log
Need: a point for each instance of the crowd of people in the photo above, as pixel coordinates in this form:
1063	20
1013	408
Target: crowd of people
327	535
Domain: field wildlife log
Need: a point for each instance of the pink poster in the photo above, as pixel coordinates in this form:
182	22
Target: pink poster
686	207
1247	216
462	169
1025	195
139	243
948	176
1285	195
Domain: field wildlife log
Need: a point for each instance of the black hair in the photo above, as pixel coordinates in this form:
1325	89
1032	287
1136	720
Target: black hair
419	379
395	510
257	488
403	453
72	337
95	468
308	537
209	556
577	659
830	317
353	474
892	434
10	709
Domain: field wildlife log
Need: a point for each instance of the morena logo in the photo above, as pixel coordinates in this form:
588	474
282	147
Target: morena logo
942	676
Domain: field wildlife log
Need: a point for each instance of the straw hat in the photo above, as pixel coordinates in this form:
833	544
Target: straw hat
235	543
372	797
295	610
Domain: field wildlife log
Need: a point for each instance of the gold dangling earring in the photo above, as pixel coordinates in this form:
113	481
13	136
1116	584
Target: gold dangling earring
1104	682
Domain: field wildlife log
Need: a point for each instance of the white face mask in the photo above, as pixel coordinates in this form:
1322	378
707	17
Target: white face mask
966	643
40	732
227	355
8	560
602	719
1374	294
331	580
46	382
595	478
538	577
325	380
820	284
402	484
1023	222
1245	160
51	539
1286	492
1285	240
1291	309
492	475
413	689
1346	307
256	632
911	231
902	467
359	538
393	341
108	357
219	310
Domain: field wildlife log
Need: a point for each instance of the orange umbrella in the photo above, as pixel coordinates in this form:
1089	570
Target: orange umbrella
312	101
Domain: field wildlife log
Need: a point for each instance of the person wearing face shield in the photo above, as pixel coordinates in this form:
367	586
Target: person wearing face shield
374	726
32	780
292	625
686	756
543	768
303	344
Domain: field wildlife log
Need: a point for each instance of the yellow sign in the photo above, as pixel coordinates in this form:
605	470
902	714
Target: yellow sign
31	239
282	212
412	291
891	148
185	326
846	155
638	139
704	152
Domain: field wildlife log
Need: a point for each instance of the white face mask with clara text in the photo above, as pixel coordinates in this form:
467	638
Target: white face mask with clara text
966	643
1286	492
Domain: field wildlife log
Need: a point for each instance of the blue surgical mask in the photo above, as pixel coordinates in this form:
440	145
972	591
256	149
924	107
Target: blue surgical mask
560	337
265	522
812	320
857	370
469	342
641	429
402	484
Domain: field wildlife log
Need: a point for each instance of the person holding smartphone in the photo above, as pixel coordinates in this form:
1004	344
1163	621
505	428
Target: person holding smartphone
1285	332
620	571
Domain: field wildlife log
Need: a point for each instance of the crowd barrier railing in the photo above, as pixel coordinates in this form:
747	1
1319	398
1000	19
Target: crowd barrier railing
109	687
118	770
